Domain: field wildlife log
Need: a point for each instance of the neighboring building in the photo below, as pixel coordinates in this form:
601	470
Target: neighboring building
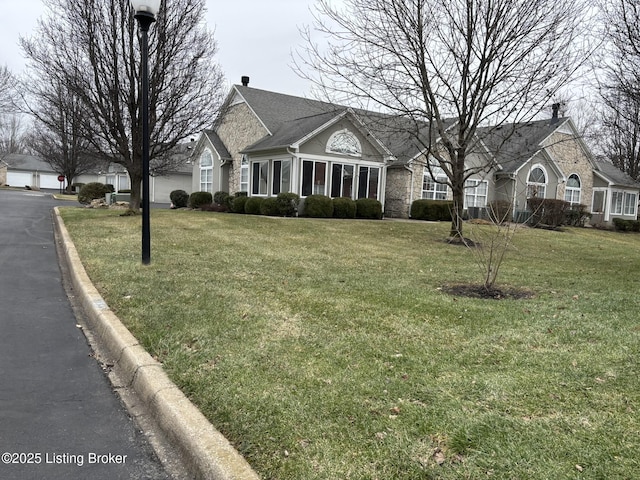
265	143
29	171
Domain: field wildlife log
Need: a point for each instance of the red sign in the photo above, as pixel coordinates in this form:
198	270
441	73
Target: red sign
61	178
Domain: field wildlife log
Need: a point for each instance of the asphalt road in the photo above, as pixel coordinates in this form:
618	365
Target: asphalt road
59	417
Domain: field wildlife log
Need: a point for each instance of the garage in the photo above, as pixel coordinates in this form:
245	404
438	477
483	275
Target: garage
19	179
49	181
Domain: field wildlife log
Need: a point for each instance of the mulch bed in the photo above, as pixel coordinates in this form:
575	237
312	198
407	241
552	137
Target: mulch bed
480	291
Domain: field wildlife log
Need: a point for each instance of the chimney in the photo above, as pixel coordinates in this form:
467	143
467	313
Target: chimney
245	81
555	108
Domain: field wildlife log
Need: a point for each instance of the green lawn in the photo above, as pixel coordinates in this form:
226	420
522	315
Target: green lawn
326	349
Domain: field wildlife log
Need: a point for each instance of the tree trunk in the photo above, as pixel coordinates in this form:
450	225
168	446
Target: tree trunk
136	191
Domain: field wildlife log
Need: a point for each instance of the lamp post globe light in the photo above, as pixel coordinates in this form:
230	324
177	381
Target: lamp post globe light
145	14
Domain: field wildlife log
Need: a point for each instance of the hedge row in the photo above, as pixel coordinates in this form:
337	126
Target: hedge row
284	205
431	210
622	225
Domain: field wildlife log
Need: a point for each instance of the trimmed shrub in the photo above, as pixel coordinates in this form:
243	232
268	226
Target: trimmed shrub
222	198
179	198
577	216
368	208
252	205
344	207
431	210
269	206
198	199
547	211
110	188
318	206
237	204
287	204
92	191
623	225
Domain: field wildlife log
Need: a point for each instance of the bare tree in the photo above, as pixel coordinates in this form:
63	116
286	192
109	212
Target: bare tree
12	134
7	91
59	134
619	86
451	66
90	46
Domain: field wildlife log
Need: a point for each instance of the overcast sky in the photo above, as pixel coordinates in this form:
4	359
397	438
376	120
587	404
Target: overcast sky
255	38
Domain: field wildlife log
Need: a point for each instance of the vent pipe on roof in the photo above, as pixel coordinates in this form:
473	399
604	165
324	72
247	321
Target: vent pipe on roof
245	81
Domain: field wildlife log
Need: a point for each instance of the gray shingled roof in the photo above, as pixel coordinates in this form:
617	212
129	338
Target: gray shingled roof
514	144
218	145
289	119
614	175
20	161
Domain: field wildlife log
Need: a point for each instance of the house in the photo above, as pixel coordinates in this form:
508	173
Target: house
264	143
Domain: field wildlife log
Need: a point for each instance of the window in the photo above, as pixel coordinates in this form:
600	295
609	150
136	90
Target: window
260	178
345	143
281	176
342	180
598	201
630	203
244	174
475	193
537	183
617	199
572	190
123	182
368	179
314	178
434	185
206	172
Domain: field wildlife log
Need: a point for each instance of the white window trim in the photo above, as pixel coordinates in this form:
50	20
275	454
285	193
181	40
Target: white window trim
536	184
206	168
472	191
572	190
439	179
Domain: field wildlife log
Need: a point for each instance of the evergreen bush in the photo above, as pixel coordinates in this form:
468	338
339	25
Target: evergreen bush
252	205
368	208
287	204
198	199
344	207
318	206
431	210
92	191
269	206
179	198
238	202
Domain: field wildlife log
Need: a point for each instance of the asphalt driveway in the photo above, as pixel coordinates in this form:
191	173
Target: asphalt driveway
59	418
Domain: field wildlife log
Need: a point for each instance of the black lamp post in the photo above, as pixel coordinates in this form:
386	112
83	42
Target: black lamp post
145	14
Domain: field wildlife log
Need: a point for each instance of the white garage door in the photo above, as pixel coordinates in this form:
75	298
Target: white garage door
49	181
19	179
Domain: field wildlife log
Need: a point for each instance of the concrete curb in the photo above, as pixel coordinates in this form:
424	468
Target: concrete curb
205	452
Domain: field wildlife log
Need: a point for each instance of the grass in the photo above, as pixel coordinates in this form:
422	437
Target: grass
326	349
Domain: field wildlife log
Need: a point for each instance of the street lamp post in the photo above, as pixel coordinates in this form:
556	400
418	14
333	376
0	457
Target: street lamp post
145	14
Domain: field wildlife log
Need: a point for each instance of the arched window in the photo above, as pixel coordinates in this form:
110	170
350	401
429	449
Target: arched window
572	190
537	182
206	171
345	143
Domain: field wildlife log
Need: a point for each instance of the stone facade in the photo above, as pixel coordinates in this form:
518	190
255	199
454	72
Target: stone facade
568	153
238	129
